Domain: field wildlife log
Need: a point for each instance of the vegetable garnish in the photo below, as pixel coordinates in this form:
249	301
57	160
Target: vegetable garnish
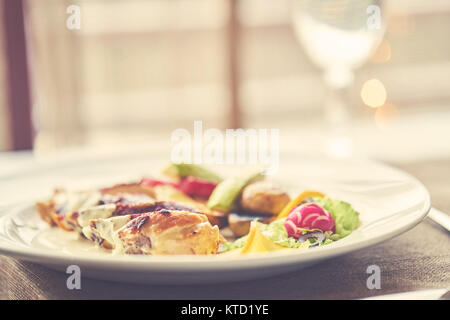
180	170
308	216
298	201
325	221
345	217
194	186
191	186
273	231
156	182
318	237
169	193
225	194
258	242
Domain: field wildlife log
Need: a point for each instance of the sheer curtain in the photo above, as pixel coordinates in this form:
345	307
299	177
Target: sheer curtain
136	69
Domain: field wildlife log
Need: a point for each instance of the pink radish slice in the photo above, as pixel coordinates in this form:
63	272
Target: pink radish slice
308	216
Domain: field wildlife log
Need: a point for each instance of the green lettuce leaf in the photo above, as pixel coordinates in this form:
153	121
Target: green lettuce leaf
345	217
238	243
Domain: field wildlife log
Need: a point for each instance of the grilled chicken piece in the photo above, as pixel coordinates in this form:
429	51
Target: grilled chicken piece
119	209
99	222
103	231
169	193
264	198
156	233
162	232
64	208
56	210
109	210
46	211
168	232
131	188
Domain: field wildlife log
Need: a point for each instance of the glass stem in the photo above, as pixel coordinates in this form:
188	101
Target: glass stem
337	98
337	114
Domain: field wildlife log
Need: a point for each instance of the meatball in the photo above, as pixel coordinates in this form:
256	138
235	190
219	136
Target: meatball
264	198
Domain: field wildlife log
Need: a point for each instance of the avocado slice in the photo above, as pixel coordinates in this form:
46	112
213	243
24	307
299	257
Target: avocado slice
225	194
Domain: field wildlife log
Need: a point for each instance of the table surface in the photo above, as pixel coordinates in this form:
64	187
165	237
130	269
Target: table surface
417	259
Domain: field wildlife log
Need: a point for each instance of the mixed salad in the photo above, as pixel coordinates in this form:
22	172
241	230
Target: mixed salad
192	210
261	214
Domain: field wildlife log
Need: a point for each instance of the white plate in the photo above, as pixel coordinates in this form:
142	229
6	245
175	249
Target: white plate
390	202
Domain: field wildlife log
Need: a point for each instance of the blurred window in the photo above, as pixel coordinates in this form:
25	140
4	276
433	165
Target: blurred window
138	69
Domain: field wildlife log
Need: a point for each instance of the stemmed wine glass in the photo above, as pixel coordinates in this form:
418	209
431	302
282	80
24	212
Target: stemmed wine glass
338	36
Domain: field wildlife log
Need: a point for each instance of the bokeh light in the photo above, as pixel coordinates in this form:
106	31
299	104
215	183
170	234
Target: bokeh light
383	53
373	93
385	114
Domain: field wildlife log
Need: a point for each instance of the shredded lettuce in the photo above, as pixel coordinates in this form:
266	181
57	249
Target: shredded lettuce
238	243
345	217
275	231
